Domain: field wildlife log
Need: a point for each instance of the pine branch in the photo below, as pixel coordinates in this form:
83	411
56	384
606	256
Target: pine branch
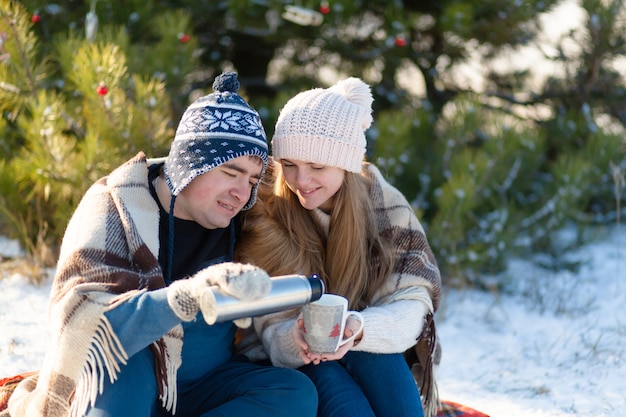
16	21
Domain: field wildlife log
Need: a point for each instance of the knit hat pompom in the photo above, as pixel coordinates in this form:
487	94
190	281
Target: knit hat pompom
214	129
226	82
356	92
326	126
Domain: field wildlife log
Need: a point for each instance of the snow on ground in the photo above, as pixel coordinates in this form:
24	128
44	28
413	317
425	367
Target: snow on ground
556	347
559	350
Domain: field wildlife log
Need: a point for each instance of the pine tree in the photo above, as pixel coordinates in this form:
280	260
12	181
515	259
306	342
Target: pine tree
72	112
493	170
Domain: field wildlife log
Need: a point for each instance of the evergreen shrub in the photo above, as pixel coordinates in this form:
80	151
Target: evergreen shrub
74	111
489	186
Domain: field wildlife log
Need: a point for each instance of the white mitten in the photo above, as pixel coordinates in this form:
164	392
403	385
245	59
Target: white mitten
243	281
188	296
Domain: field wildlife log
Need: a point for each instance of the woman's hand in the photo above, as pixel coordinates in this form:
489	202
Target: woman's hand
315	358
298	337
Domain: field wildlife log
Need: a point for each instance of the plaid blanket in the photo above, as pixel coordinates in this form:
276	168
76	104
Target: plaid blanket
109	254
452	409
7	386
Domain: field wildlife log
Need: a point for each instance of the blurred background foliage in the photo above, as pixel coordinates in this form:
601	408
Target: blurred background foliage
499	129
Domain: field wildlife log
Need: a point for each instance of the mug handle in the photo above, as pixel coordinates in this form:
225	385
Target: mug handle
360	319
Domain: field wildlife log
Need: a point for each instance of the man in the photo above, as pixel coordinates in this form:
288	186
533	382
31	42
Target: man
143	245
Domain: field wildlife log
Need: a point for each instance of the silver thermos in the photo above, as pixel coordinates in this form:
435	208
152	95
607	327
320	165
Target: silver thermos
288	291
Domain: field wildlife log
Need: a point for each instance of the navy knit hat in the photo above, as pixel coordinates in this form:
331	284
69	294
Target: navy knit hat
214	129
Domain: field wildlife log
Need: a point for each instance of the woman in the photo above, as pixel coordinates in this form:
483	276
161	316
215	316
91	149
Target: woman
326	211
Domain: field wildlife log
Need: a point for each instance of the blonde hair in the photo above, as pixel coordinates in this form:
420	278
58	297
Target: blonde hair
282	237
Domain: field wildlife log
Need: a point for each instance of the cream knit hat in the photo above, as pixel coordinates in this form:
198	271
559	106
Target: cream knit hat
326	126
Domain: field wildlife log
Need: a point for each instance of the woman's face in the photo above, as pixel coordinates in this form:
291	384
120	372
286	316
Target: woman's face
314	184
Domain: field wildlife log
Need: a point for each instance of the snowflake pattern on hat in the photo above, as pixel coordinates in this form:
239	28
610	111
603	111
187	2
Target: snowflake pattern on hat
203	122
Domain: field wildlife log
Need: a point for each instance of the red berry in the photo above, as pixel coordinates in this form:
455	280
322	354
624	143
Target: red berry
35	18
400	41
102	89
324	8
183	37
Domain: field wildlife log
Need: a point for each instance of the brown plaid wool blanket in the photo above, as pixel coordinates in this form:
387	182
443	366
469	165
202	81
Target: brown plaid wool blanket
7	385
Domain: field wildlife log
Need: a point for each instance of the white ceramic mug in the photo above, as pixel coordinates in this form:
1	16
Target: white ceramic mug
325	321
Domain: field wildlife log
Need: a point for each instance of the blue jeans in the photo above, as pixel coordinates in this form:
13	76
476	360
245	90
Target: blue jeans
365	384
236	388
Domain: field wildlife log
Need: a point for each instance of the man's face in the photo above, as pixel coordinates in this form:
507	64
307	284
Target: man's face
214	198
